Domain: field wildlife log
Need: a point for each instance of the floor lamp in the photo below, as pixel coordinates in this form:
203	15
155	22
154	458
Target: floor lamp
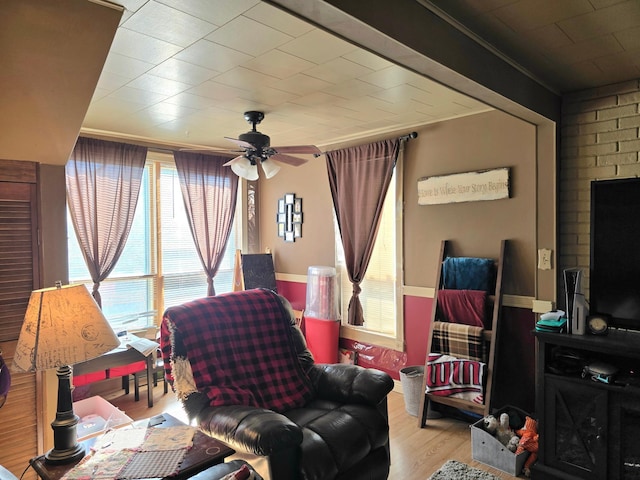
63	325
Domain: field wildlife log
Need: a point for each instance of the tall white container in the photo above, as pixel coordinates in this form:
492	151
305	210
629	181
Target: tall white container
321	293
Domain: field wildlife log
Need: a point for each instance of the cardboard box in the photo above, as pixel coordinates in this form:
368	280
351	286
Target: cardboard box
97	416
487	449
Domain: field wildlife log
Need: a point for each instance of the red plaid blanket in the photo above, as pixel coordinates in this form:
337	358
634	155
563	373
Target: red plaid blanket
239	351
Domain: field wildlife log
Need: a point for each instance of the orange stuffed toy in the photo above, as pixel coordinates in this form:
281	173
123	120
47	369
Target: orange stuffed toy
528	441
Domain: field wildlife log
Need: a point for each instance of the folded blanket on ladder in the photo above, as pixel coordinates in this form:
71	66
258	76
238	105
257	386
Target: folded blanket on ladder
454	377
462	341
463	306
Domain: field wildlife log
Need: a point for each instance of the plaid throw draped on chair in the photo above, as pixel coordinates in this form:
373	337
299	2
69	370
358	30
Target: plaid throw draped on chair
239	350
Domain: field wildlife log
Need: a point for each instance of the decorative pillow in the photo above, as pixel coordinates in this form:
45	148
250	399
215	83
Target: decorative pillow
239	349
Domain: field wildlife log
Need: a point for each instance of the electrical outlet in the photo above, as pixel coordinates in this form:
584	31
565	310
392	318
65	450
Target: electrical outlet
544	259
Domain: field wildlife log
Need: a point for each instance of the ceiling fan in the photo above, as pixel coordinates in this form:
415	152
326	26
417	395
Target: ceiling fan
257	150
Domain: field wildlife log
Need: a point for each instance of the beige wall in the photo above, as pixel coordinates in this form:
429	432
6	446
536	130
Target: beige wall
489	140
484	141
316	247
600	139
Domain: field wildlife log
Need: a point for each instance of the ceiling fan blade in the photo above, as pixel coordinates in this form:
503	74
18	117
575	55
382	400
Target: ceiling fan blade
303	149
240	143
288	159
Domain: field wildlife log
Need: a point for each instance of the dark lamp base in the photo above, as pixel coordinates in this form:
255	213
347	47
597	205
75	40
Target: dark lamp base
56	457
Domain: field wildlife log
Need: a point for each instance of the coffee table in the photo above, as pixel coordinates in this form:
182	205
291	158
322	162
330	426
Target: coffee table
205	453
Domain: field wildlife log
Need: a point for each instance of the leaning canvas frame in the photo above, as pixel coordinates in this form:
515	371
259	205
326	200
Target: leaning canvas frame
464	187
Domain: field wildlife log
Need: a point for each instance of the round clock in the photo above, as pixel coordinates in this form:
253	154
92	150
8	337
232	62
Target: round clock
598	324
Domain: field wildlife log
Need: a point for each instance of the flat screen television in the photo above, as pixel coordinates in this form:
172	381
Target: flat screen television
614	271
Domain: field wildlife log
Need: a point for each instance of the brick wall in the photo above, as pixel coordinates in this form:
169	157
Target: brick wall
599	139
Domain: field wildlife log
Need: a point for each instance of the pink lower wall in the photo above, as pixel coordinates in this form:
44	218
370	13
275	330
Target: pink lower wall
516	346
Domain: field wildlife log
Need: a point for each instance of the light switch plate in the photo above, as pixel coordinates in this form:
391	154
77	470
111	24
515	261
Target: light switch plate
544	259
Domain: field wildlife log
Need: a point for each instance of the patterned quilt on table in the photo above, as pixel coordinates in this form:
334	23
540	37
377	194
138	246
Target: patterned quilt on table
454	377
236	348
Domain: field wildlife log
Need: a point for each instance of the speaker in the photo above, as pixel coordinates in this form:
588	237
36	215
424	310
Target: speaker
576	305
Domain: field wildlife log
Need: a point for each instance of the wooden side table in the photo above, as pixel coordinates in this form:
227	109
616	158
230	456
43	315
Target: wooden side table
205	453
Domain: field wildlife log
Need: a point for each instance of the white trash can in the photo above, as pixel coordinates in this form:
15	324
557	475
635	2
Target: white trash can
411	379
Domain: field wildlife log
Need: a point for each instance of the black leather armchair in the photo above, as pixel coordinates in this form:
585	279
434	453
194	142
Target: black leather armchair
341	432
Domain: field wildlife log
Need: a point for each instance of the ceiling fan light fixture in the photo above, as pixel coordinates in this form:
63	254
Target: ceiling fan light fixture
270	169
245	169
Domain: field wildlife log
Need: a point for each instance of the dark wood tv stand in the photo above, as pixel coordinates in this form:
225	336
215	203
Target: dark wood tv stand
588	429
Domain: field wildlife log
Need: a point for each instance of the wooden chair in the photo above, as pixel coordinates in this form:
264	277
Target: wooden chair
489	334
299	316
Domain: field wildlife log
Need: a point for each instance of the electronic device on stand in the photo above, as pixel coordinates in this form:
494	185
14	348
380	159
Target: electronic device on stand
577	309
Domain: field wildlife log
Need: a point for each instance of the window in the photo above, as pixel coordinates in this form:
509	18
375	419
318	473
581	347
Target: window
159	266
381	296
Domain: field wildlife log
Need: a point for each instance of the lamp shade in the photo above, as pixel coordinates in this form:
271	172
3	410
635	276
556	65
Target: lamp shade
269	168
243	167
63	325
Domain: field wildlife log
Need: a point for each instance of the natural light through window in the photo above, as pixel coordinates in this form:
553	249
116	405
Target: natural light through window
159	266
379	296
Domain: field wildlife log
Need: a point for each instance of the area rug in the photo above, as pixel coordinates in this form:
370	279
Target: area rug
454	470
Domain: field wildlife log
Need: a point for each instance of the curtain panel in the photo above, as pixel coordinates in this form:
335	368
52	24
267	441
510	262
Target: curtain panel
359	178
103	182
209	191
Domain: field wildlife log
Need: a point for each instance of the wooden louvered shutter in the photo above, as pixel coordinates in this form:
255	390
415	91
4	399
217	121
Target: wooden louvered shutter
19	266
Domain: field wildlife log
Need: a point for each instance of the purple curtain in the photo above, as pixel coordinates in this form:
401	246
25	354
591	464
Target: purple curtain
103	181
209	191
359	178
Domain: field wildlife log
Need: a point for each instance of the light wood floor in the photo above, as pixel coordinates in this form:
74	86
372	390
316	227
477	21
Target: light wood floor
415	452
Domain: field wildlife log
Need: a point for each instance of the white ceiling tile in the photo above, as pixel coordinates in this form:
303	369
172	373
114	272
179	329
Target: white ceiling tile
165	23
588	50
215	90
367	59
217	12
629	39
158	85
276	18
132	6
338	70
245	79
124	66
278	64
527	14
171	110
317	99
174	69
212	56
135	95
351	89
317	46
150	117
268	96
184	71
145	48
111	108
190	100
603	21
111	81
300	84
248	36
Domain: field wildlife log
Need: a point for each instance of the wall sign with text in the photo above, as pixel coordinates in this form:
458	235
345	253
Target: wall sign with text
464	187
